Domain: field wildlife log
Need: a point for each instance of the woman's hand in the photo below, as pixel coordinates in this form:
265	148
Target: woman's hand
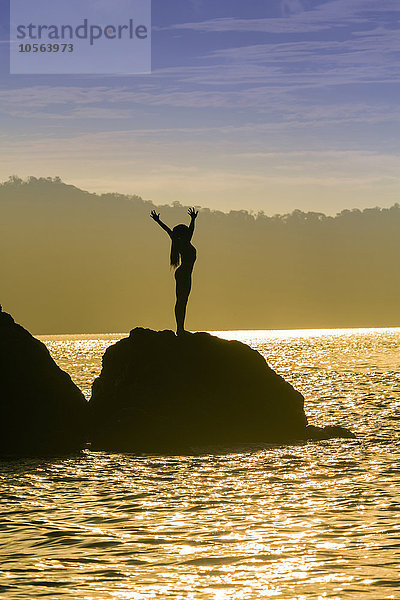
155	216
193	213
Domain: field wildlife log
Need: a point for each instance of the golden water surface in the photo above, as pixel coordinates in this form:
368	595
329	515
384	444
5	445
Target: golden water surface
306	521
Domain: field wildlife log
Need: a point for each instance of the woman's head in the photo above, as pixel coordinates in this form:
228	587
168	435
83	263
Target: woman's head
180	235
180	232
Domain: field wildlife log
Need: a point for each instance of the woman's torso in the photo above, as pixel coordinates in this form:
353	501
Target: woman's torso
188	256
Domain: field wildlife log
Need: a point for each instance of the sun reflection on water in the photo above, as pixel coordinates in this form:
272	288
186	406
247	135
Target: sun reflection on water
307	521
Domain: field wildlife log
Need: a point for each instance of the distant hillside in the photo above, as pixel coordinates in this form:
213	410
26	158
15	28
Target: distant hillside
72	261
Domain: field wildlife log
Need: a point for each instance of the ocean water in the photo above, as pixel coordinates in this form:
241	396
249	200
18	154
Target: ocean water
313	520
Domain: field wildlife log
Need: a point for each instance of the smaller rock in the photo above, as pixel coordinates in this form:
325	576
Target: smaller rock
41	410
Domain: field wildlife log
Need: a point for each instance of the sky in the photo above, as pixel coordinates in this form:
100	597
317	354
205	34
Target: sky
269	105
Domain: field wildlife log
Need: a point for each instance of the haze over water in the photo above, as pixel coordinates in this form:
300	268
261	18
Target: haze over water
306	521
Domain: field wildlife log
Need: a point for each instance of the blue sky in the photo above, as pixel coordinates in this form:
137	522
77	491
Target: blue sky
265	105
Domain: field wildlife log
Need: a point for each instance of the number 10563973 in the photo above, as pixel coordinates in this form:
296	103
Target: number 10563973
46	48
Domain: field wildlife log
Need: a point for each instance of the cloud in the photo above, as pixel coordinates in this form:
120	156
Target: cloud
283	122
320	17
229	171
277	106
279	78
229	108
157	150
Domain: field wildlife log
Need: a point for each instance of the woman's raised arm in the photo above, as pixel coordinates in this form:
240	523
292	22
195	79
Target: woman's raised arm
156	217
193	215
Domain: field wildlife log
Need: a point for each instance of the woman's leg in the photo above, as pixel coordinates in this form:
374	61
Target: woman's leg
183	286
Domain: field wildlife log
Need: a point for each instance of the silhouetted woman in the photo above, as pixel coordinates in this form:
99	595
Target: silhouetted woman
184	253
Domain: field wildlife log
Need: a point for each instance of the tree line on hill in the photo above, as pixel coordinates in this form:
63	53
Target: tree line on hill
73	261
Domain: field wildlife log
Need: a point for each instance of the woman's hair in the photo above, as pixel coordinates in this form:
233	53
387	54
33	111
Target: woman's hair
180	235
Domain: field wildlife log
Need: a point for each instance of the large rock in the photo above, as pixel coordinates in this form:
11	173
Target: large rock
41	410
158	392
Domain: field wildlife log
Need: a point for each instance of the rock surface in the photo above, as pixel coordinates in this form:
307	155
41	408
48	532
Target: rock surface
327	433
41	410
157	391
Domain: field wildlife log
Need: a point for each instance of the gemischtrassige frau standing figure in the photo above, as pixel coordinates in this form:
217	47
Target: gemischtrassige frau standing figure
183	257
